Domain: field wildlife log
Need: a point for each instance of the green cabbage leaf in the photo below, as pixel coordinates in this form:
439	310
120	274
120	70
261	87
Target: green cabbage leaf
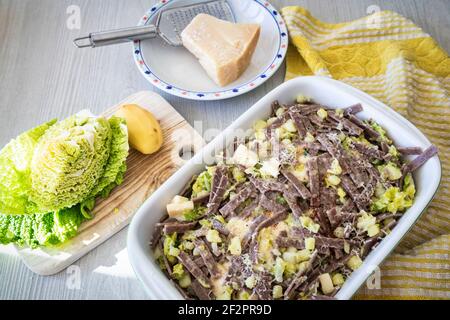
115	167
68	161
33	230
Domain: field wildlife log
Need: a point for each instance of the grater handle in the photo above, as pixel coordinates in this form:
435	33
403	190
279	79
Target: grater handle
105	38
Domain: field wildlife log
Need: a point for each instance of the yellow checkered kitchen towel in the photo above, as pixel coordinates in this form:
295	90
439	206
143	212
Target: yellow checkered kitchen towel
389	57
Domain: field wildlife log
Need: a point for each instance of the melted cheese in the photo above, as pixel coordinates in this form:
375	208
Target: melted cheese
224	49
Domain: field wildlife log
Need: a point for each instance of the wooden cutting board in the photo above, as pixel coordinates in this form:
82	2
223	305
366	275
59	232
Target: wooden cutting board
144	175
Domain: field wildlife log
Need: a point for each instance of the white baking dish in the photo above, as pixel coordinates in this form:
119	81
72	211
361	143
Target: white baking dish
325	91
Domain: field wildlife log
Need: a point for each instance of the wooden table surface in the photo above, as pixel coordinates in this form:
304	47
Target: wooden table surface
42	76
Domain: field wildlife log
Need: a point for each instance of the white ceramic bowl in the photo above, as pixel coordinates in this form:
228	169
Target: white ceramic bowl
325	91
176	71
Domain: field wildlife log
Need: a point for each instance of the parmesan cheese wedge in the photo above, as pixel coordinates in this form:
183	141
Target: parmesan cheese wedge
224	49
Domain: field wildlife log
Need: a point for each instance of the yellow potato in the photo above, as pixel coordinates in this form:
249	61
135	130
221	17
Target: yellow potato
144	131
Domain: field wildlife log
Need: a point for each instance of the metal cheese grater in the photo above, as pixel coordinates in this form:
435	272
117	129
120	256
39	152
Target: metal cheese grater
169	25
